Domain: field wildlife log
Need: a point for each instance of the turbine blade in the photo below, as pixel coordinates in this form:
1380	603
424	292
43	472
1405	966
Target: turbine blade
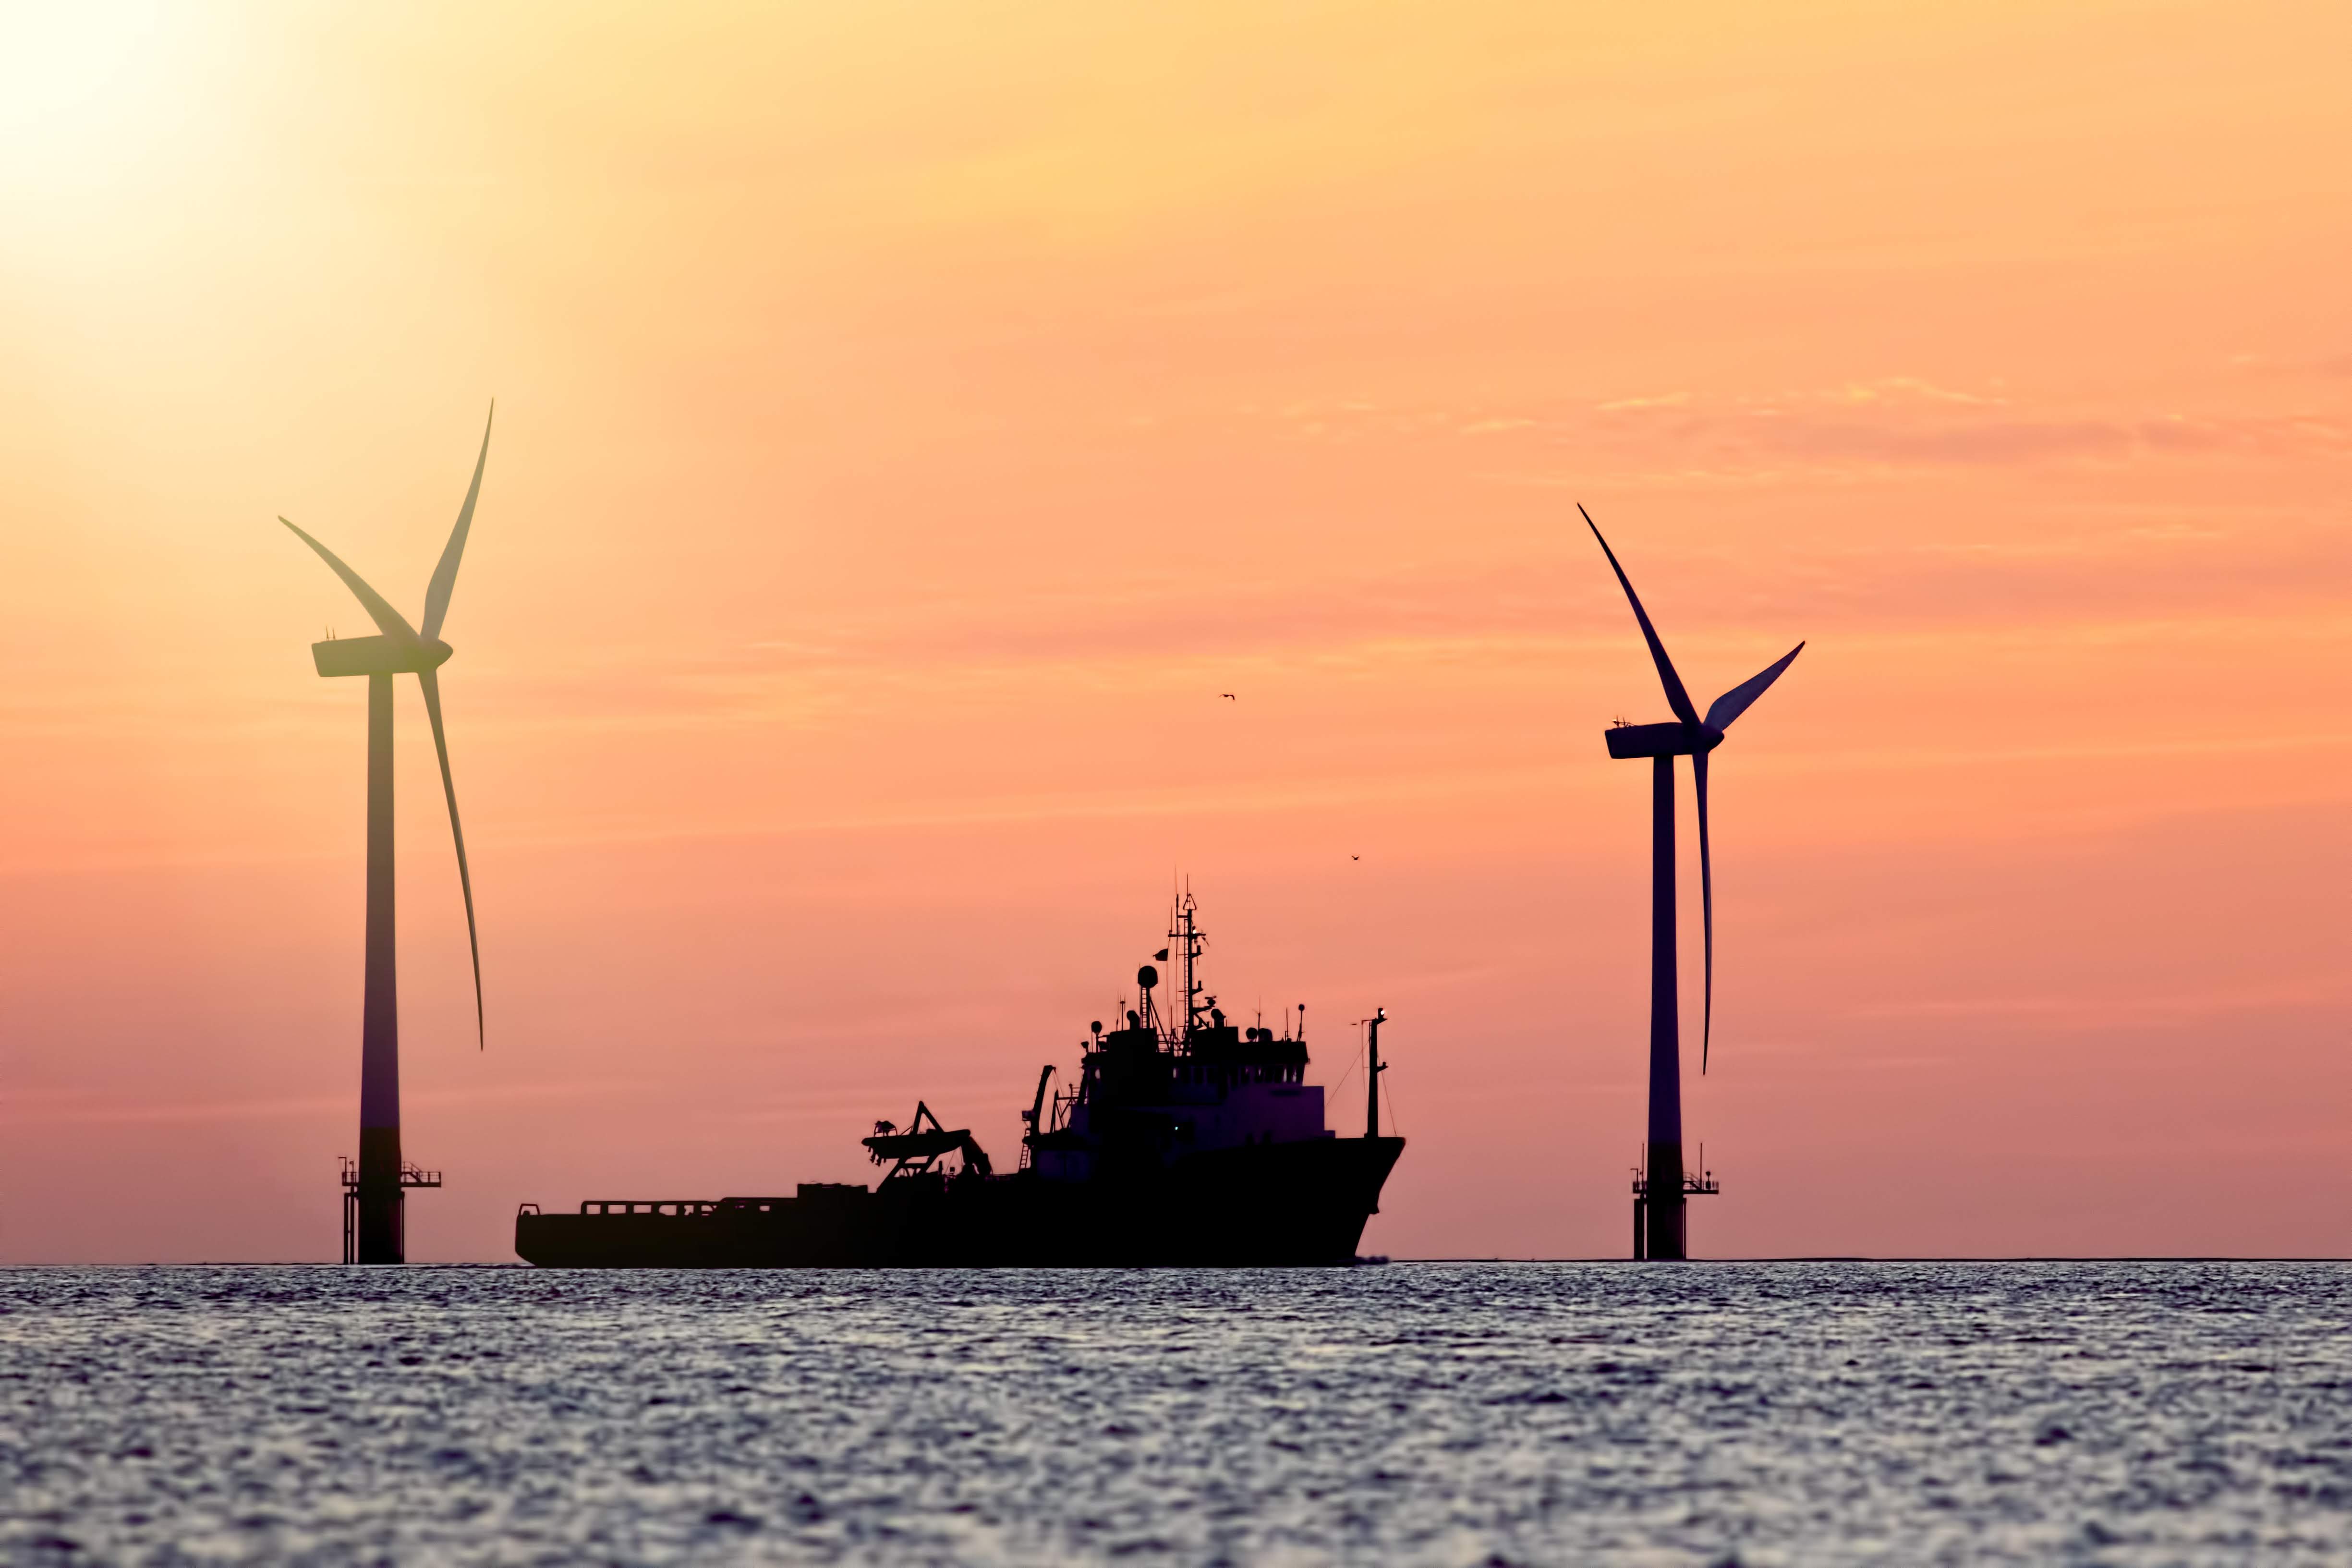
431	681
1676	698
1706	909
387	620
1737	700
445	575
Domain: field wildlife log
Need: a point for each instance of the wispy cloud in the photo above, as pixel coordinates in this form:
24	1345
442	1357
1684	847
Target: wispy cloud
63	1110
1906	422
1895	388
1663	400
2084	1013
1887	422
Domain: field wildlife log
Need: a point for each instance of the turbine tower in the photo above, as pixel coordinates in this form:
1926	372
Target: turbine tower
1661	1190
374	1196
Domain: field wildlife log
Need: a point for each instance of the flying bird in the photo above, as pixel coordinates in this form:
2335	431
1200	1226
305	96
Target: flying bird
1228	696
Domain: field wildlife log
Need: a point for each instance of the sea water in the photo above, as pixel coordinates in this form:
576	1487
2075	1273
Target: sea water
1701	1414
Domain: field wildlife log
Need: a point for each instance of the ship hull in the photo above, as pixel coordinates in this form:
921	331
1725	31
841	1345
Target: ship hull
1301	1204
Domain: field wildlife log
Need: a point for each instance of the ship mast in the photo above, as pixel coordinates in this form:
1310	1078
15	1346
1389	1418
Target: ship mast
1188	940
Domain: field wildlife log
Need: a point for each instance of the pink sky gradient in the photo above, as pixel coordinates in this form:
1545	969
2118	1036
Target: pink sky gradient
912	417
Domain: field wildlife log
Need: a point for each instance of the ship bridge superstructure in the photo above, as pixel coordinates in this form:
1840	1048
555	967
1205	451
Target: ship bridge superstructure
1175	1081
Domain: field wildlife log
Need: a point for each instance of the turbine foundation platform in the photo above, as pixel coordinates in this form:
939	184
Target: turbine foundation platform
385	1240
1662	1219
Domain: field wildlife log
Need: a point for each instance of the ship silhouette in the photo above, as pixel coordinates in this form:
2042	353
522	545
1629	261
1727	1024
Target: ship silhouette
1184	1140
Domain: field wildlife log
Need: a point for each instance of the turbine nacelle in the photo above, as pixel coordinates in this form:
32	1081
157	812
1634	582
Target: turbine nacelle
379	656
1672	739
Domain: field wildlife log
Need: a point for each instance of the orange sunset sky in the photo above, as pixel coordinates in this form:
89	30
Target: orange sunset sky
912	417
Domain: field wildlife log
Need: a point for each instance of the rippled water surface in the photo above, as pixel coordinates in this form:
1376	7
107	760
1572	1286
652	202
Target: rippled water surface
1416	1413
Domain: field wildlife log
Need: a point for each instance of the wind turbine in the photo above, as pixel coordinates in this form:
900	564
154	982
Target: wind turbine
1659	1216
377	1193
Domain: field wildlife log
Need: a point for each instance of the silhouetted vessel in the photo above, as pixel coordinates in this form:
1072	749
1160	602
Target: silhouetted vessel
1185	1140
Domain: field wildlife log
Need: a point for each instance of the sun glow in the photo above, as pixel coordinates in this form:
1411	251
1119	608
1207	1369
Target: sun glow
55	59
75	77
